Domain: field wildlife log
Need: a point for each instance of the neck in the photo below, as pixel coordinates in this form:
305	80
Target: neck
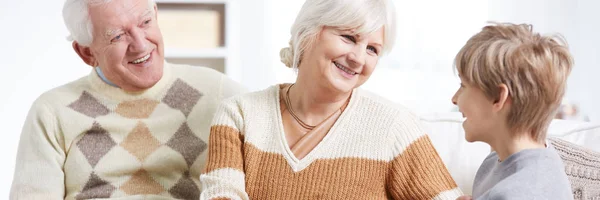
506	145
313	103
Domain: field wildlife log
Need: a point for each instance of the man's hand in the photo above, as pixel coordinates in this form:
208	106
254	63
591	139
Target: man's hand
466	197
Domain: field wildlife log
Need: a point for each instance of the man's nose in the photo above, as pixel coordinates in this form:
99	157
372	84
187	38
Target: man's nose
138	43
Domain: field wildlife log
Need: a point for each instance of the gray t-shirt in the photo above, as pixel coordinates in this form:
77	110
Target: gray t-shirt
528	174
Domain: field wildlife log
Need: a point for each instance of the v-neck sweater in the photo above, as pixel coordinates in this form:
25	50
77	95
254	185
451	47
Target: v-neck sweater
375	150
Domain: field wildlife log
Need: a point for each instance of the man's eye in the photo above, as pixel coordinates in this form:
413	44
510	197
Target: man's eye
117	38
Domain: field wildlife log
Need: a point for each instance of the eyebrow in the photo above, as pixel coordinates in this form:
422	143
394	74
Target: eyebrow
147	12
377	44
111	32
359	36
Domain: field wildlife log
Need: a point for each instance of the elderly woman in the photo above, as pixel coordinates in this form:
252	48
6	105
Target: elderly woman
321	137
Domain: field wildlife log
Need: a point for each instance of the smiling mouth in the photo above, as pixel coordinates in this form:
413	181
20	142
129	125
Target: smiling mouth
345	69
142	59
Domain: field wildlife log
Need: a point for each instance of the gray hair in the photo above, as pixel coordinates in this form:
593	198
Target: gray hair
365	16
78	22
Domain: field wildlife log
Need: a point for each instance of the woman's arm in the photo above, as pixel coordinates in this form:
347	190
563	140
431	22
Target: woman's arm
223	177
417	171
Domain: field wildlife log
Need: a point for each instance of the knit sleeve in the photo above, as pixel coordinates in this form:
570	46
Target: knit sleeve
417	171
229	87
223	177
40	158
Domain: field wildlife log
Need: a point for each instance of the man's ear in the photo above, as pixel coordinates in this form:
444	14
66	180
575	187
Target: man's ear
503	98
85	54
155	11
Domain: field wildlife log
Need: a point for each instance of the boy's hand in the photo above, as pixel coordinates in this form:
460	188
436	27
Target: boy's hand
465	198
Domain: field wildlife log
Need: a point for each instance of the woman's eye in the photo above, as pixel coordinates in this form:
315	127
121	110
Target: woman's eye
349	37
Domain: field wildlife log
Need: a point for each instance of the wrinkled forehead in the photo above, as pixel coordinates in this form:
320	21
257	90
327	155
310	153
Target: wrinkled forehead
117	7
115	15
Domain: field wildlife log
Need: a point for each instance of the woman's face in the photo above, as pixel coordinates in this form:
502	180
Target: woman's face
341	60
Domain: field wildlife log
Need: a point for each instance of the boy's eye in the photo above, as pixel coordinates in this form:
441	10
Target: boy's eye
373	49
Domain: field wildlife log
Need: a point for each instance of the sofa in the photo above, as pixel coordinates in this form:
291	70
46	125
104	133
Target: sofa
577	141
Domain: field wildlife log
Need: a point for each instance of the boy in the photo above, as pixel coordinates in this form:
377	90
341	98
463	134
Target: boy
512	82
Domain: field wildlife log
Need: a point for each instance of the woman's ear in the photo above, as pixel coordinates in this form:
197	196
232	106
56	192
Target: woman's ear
503	100
85	54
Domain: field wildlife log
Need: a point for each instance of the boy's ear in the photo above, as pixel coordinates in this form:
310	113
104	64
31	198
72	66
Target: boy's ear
503	98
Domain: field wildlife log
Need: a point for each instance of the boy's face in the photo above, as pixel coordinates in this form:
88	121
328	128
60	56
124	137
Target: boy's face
480	120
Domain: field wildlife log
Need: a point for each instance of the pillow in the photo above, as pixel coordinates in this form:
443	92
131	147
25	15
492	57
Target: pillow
582	167
585	134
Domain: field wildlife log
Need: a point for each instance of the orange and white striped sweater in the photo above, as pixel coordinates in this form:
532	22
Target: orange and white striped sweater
375	150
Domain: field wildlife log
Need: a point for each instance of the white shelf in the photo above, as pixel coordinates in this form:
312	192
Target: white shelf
193	1
225	58
220	52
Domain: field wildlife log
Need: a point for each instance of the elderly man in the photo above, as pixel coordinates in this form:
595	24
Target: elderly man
134	128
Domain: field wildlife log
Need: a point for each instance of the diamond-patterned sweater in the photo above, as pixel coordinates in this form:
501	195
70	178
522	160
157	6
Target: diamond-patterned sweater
375	150
87	139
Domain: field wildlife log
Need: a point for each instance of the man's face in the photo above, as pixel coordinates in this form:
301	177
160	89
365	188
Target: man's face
127	44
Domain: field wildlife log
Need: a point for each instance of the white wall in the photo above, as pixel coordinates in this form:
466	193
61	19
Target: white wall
584	83
35	57
419	73
256	40
578	22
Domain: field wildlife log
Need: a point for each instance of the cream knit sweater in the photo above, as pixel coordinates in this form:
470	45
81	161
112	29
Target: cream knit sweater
375	150
88	140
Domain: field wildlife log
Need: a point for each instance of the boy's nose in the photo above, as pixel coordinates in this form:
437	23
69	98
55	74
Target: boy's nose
454	99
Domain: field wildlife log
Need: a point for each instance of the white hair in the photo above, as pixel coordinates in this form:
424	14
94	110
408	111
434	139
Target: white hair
78	22
364	16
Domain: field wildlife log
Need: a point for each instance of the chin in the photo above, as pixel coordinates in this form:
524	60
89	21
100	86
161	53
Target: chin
154	79
341	86
148	80
469	139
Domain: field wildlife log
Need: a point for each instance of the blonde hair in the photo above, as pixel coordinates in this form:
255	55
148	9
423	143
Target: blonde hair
365	16
533	67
